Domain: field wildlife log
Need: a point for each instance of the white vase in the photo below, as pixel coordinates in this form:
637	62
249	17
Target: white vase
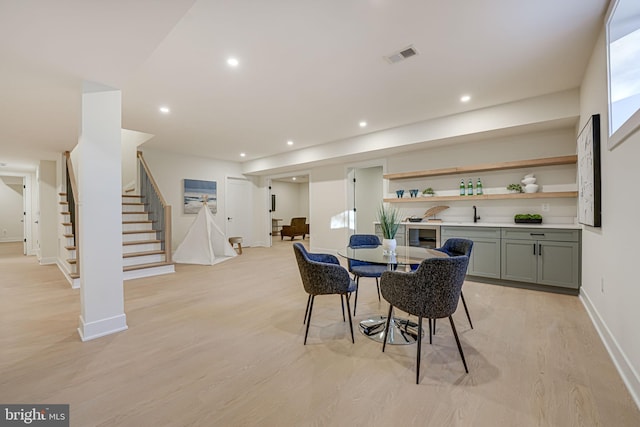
389	246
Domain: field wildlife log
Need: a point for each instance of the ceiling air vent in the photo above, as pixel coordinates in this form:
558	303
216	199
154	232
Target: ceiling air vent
405	53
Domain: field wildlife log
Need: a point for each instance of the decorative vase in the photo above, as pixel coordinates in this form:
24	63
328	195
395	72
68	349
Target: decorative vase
389	246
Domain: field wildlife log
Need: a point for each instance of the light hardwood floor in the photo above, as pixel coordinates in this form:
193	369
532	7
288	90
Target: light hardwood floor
222	346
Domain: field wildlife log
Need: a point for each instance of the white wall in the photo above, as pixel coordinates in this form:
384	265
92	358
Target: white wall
610	287
292	200
11	200
49	216
170	169
328	208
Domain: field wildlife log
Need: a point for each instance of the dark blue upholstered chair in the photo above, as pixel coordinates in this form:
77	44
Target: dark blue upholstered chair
322	274
432	292
456	247
364	269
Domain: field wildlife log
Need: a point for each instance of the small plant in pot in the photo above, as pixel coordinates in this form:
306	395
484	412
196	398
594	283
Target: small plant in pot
428	192
528	219
515	188
389	218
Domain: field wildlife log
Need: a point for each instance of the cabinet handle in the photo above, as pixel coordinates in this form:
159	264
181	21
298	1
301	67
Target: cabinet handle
540	249
534	248
536	234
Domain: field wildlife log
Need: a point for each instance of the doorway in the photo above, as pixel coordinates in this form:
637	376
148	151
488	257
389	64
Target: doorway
289	198
366	196
13	212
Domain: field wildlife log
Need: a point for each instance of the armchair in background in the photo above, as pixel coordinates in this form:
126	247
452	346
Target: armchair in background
298	227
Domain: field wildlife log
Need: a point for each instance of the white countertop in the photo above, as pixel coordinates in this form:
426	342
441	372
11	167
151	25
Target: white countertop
495	224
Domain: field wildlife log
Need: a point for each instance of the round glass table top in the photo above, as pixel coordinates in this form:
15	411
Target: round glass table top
404	255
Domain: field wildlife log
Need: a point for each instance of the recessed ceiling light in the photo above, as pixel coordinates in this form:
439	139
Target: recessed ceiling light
289	142
232	62
294	178
165	110
243	154
465	98
363	124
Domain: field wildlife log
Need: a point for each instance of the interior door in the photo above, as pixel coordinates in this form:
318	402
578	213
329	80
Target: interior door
239	209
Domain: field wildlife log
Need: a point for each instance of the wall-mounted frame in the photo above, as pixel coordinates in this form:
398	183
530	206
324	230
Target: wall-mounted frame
589	186
197	192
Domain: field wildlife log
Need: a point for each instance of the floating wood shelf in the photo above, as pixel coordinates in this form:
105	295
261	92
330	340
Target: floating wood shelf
549	195
487	167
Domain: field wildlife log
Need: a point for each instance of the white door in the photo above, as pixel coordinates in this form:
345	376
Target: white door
239	209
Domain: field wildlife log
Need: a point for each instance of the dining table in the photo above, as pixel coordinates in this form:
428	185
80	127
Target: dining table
401	330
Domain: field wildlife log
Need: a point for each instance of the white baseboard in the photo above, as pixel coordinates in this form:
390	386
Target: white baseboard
62	266
100	328
10	239
48	261
625	368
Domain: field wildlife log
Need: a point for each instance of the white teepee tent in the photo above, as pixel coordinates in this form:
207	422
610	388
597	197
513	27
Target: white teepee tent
205	243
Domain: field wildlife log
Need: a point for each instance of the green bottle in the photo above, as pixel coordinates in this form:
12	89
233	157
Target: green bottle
479	187
462	187
470	188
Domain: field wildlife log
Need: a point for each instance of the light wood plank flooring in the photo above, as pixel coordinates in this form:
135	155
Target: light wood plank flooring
222	346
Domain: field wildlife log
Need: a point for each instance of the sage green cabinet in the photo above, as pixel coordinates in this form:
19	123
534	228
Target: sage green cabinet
485	255
400	235
542	256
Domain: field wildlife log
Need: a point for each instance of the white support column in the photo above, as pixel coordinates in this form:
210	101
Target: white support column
100	213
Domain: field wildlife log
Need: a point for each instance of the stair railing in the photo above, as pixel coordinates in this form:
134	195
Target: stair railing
72	195
155	206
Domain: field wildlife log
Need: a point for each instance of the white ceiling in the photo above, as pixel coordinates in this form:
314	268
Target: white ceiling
309	70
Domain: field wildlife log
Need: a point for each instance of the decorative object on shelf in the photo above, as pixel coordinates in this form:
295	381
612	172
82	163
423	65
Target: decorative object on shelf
589	186
462	188
428	192
389	218
479	187
414	219
514	188
470	188
414	192
399	193
433	212
529	182
528	219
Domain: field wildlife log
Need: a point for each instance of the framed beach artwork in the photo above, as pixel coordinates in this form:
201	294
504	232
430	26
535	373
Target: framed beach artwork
589	198
197	192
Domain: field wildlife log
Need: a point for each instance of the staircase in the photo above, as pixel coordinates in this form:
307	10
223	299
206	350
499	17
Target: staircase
142	252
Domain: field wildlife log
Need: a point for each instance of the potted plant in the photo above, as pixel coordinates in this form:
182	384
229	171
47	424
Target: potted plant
528	219
428	192
389	218
514	188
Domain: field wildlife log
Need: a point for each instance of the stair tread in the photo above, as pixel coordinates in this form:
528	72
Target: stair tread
72	261
74	275
133	204
141	242
65	213
150	265
139	221
67	235
63	203
138	231
62	194
66	224
70	248
132	195
144	253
